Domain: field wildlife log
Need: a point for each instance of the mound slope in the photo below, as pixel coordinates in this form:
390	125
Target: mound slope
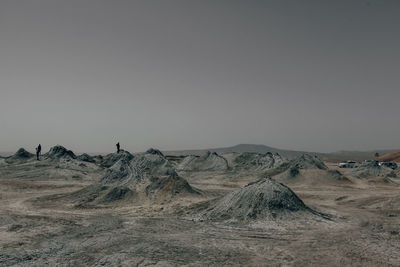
211	161
263	199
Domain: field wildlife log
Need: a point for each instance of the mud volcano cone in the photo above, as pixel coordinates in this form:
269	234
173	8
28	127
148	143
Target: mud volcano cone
249	161
263	199
22	154
211	161
137	179
59	152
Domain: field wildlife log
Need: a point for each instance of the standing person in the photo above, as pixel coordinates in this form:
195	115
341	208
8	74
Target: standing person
38	150
118	147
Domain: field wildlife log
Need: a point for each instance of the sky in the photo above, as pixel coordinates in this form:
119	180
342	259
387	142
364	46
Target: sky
319	75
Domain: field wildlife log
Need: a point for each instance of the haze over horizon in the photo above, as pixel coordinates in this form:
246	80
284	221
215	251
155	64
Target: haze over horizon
317	76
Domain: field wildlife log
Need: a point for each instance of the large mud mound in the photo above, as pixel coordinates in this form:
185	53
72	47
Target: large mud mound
263	199
257	162
136	179
211	161
371	169
59	152
135	168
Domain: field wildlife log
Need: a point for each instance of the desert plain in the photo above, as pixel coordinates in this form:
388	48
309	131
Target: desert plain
232	209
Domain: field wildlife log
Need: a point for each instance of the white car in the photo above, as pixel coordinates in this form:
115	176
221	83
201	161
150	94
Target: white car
348	164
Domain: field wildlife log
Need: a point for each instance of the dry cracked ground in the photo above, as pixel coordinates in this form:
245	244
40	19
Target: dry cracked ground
39	229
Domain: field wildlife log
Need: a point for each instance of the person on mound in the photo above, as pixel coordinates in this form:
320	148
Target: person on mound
38	150
118	147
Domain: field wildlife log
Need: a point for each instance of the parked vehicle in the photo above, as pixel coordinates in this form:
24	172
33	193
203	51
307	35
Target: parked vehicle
392	165
348	164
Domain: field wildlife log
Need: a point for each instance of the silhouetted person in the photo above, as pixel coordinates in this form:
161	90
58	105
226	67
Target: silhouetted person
38	150
118	147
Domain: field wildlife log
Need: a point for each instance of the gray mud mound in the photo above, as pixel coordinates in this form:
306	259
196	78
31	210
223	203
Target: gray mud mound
165	188
211	161
371	169
264	199
21	154
293	167
110	159
137	179
257	162
155	152
307	161
131	169
59	153
87	158
306	169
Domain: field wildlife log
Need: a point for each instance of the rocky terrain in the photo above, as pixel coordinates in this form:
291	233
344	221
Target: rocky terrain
228	209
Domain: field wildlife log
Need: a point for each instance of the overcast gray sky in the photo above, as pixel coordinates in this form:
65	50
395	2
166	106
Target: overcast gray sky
307	75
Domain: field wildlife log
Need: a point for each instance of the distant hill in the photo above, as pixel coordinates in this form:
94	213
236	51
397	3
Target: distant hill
240	149
393	156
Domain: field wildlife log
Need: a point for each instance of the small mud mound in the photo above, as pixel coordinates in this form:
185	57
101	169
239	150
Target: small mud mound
257	162
313	177
155	152
110	159
293	167
263	199
59	153
211	161
87	158
21	154
306	169
165	188
307	161
371	169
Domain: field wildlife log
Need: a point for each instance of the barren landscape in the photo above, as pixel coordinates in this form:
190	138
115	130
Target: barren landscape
147	209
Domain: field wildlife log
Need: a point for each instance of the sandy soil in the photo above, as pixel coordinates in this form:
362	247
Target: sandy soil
364	229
